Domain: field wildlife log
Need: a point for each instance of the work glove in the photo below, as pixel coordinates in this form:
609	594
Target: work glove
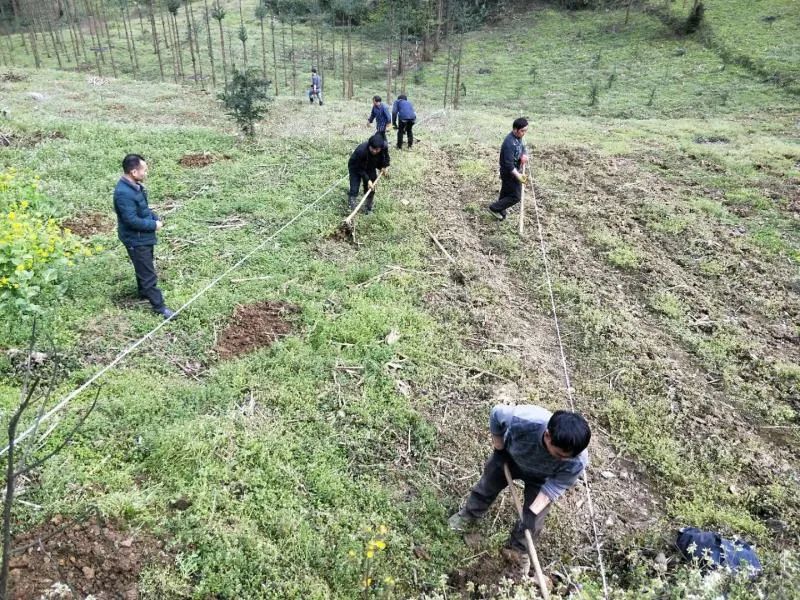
385	171
523	179
529	519
370	184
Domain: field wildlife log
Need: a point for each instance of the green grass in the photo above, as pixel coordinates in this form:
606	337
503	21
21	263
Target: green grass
673	249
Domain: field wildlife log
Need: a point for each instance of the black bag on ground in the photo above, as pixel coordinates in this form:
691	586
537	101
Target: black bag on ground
714	551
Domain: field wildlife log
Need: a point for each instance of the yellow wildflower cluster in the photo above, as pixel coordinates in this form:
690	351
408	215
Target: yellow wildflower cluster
34	251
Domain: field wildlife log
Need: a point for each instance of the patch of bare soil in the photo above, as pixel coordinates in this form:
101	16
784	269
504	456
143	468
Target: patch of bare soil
254	326
88	225
10	76
197	160
29	140
69	560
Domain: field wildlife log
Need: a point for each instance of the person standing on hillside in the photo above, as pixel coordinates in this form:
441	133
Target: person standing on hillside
547	451
381	115
513	158
316	87
403	115
136	227
363	167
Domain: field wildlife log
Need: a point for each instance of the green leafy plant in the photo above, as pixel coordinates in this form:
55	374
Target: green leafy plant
245	98
35	252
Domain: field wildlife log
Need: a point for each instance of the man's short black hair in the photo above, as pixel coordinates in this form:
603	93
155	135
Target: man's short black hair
569	432
377	141
402	97
131	162
313	69
376	99
520	123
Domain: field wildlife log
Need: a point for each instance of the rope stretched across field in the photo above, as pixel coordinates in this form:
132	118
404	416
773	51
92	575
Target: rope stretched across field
127	351
567	382
64	402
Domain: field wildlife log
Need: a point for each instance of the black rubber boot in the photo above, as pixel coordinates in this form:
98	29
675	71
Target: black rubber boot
352	201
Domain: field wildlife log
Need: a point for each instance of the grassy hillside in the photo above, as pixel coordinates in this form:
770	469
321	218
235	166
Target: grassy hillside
323	464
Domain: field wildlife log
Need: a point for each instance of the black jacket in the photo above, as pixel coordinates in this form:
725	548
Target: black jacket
136	223
364	164
510	154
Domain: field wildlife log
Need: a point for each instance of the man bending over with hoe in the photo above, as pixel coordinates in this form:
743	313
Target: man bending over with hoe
546	451
363	167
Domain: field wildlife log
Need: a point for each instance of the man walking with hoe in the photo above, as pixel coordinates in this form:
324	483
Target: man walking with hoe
381	115
404	115
136	227
363	167
546	451
513	158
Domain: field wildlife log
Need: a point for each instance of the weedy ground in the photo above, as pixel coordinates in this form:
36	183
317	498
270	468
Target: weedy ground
671	224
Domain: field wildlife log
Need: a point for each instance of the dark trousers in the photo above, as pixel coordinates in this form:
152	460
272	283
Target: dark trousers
405	127
146	279
510	193
357	180
491	483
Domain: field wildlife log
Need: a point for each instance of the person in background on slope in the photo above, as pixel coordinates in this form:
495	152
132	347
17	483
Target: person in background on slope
381	115
363	167
316	87
547	451
136	227
404	115
513	158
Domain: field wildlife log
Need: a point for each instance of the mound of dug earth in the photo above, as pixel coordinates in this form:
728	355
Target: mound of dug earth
67	560
254	326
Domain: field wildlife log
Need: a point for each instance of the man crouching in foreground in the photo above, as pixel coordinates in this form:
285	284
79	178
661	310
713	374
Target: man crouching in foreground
546	451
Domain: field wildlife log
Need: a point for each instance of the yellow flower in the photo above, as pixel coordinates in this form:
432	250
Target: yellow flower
388	580
351	554
366	582
383	530
380	544
370	554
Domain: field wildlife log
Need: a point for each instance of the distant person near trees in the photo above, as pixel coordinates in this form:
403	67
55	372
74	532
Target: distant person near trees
381	115
363	167
513	158
137	226
403	117
546	451
316	87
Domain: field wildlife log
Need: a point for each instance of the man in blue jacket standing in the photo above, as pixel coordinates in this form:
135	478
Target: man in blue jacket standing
381	115
547	451
136	227
403	115
513	158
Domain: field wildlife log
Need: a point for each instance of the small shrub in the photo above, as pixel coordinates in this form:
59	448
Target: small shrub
245	98
35	253
695	18
594	93
652	97
612	78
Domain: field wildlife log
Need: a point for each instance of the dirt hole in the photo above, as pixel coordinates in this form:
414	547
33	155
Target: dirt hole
29	140
197	160
254	326
93	557
10	76
87	225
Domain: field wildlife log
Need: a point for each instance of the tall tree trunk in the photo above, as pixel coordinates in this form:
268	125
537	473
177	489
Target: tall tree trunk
350	86
47	22
437	30
222	51
194	35
457	86
242	35
294	63
128	37
344	71
72	10
285	57
104	15
210	45
191	41
178	45
263	49
99	59
154	30
274	52
141	19
447	74
133	40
